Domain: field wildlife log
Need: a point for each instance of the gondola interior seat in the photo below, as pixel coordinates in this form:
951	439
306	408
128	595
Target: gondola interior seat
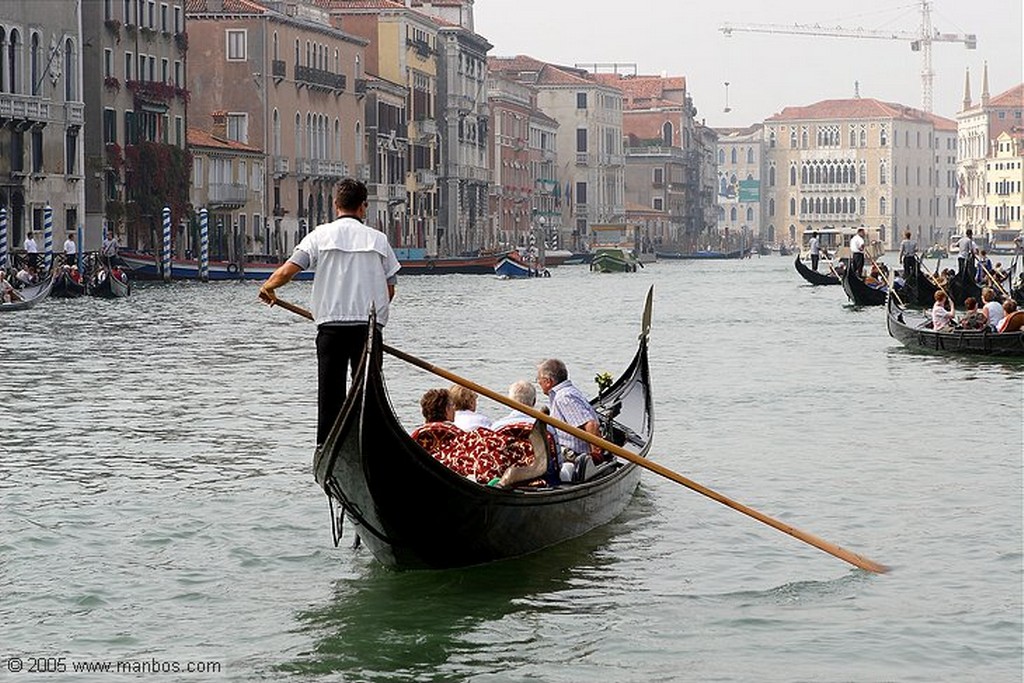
483	455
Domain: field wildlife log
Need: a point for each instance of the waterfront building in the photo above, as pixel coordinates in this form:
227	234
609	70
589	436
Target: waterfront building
525	195
591	167
854	162
136	96
739	182
662	159
707	187
387	139
979	124
402	50
1004	194
228	181
286	79
41	119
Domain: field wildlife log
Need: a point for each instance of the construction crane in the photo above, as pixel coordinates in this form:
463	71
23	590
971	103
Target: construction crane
920	41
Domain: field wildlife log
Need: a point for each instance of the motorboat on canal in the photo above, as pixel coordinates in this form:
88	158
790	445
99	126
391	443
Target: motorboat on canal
413	512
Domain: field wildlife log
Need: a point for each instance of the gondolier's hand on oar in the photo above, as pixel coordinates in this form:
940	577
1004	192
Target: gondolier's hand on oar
267	295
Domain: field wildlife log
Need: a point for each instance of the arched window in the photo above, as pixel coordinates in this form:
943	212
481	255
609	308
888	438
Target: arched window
750	214
14	61
771	206
70	72
792	233
359	68
792	206
853	137
882	174
792	138
722	184
3	59
803	205
792	175
732	214
310	136
277	133
732	155
771	176
863	206
882	207
359	142
721	212
336	150
276	57
666	134
803	174
721	156
35	63
298	135
883	137
750	155
803	139
297	52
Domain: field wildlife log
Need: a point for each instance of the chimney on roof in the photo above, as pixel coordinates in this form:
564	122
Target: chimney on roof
984	85
967	90
220	124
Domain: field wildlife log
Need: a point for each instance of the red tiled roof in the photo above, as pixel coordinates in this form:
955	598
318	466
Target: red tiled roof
201	138
1014	97
859	108
416	8
230	6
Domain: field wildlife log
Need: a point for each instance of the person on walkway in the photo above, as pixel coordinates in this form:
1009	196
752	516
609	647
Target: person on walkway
908	257
857	253
568	404
815	247
32	249
464	402
70	249
355	271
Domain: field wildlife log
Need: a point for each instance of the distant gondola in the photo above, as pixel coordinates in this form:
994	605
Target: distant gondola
29	296
859	292
65	287
813	276
109	286
919	335
413	512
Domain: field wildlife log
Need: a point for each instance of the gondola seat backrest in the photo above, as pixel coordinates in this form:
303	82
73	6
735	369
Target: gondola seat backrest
481	455
1013	323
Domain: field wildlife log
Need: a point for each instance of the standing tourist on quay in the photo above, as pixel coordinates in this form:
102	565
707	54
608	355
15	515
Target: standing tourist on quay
32	249
70	249
355	272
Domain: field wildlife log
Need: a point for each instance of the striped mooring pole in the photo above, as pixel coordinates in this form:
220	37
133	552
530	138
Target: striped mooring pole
47	237
204	245
166	253
3	238
80	232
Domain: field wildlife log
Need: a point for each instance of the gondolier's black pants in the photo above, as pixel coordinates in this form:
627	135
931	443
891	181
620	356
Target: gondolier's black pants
910	268
338	348
857	263
814	261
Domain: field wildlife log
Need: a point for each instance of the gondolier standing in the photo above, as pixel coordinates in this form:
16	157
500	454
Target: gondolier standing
965	259
355	270
815	247
908	257
857	253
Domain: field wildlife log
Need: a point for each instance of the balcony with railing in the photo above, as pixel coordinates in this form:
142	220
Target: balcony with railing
828	187
24	108
426	178
74	113
424	129
228	194
582	159
656	151
278	69
302	167
319	79
279	165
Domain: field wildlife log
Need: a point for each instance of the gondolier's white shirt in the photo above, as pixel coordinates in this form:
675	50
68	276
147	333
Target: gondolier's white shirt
857	244
815	246
353	264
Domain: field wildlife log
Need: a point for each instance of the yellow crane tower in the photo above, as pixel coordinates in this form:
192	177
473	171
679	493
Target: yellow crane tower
920	40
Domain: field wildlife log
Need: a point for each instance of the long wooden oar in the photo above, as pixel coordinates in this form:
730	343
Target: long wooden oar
819	543
887	283
992	279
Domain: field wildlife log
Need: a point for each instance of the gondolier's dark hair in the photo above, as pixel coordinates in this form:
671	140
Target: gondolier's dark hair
554	370
351	194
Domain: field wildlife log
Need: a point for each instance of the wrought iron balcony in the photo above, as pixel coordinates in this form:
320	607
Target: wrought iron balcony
319	79
228	194
278	69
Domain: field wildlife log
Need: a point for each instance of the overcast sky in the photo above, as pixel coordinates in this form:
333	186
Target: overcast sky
768	72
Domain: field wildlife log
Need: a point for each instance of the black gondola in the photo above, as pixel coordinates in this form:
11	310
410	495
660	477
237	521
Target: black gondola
64	287
919	335
29	296
412	512
109	286
960	288
859	292
813	276
920	290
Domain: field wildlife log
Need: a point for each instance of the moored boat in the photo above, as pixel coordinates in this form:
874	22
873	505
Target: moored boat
28	296
613	260
916	333
110	284
813	276
65	286
702	254
413	512
513	268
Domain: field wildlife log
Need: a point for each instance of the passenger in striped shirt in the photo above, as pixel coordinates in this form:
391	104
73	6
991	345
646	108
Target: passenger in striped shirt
568	404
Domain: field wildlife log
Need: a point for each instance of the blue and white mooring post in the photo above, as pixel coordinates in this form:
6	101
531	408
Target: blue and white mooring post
166	253
47	237
204	245
3	238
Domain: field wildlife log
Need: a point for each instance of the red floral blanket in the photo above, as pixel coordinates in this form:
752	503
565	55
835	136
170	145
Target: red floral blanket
482	454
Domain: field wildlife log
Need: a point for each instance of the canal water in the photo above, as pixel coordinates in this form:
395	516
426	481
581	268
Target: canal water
157	503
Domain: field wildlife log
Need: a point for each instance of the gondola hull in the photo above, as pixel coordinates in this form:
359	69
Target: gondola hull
813	276
110	288
414	513
66	288
961	342
859	292
30	296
